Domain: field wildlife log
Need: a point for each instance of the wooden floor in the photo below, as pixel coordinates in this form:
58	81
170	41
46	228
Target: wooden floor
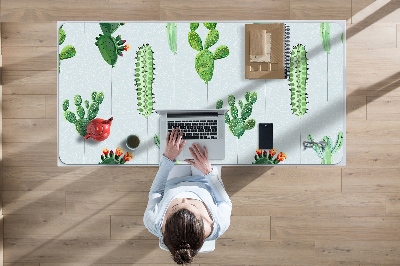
281	216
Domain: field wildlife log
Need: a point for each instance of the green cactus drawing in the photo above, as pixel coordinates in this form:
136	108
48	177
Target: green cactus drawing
238	125
110	47
172	36
325	35
325	153
144	73
298	79
117	157
204	61
268	157
157	140
341	37
68	51
92	110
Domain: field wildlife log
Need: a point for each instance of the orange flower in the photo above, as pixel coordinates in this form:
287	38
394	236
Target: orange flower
119	152
127	47
281	156
128	156
272	152
105	151
259	152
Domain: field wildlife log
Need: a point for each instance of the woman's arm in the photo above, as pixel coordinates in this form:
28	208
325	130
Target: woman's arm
223	201
156	193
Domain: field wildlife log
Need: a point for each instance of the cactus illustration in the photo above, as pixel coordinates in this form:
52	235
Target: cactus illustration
268	157
341	37
238	125
297	80
144	73
92	110
117	157
110	47
172	36
204	61
68	51
157	140
325	153
325	35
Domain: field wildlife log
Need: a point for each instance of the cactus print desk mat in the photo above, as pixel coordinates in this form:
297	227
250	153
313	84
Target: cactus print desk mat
112	76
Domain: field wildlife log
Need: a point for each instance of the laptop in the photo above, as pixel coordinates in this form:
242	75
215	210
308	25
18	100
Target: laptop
206	127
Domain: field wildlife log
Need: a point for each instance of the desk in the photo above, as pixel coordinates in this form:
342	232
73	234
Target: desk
85	67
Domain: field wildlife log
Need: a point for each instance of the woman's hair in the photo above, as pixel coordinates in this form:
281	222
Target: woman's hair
184	235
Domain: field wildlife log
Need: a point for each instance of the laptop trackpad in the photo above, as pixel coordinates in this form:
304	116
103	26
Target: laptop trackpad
201	143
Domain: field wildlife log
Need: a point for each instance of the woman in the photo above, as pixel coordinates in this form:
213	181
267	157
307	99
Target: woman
186	211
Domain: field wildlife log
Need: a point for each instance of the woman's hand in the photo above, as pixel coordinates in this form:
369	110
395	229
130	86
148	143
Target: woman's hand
200	159
174	145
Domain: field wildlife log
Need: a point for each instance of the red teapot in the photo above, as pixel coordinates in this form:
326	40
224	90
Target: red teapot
98	129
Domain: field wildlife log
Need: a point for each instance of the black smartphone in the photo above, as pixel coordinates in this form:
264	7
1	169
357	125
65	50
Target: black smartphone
265	136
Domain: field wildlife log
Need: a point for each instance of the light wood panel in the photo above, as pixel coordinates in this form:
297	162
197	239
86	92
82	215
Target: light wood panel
224	10
368	155
335	228
51	226
367	180
31	154
33	202
364	252
24	106
43	10
374	132
383	108
332	9
30	82
309	204
356	108
40	130
78	179
393	204
32	59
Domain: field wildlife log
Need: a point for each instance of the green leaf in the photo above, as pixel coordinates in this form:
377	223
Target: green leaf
195	41
65	105
61	36
221	52
80	111
211	39
249	124
67	52
99	97
70	116
210	25
194	26
77	99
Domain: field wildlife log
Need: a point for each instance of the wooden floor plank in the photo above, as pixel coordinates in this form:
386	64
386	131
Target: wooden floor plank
51	106
383	108
393	204
356	108
335	228
128	227
40	130
309	204
31	154
42	10
224	10
373	131
147	251
107	203
33	59
33	202
283	179
324	9
377	180
28	34
133	179
24	106
364	252
372	81
360	155
384	36
53	226
29	82
358	6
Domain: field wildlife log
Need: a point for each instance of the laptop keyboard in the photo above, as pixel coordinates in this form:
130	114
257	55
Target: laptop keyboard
196	129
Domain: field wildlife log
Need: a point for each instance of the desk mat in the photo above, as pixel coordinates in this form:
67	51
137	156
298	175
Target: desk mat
113	76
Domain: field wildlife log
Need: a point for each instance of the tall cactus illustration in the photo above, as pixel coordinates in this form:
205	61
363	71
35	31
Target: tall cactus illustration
238	125
92	110
298	79
110	47
68	51
144	73
325	153
204	61
325	35
172	36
